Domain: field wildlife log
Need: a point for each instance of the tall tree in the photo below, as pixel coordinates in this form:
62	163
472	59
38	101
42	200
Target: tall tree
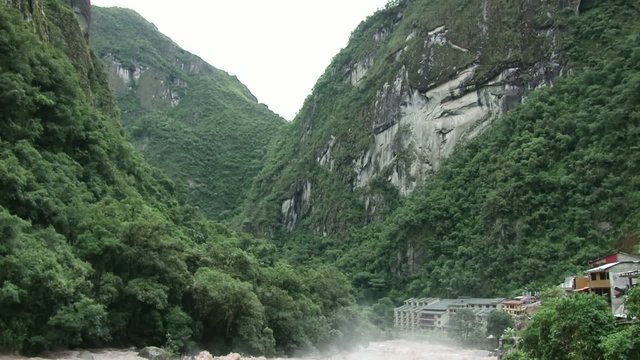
569	328
497	322
466	326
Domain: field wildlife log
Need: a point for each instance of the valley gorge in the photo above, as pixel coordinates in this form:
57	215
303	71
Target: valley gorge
453	148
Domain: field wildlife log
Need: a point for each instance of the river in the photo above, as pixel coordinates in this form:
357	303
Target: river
384	350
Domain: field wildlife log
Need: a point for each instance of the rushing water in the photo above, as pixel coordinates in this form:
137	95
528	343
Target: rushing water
385	350
411	350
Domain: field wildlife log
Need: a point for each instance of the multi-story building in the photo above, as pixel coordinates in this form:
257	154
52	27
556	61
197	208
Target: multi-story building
575	284
514	308
612	280
434	314
406	316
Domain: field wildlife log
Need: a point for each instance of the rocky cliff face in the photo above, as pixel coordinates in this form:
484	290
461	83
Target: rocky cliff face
143	63
63	30
416	81
154	88
36	9
82	9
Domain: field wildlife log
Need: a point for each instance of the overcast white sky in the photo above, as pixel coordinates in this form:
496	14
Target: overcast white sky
278	48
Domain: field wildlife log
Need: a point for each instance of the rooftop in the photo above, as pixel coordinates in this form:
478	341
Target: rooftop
415	304
440	305
477	301
512	302
606	267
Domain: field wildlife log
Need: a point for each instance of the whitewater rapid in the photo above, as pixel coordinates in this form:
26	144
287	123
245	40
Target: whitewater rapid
408	350
383	350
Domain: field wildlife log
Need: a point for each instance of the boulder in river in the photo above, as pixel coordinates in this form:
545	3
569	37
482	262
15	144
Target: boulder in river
155	353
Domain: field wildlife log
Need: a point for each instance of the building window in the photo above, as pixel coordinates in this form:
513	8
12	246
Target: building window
593	276
603	275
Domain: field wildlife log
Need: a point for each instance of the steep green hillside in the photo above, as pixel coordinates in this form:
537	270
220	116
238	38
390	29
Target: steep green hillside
415	80
197	123
94	248
549	187
523	200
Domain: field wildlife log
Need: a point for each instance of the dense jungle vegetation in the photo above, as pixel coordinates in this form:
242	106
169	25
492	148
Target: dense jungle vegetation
94	248
97	249
578	327
547	188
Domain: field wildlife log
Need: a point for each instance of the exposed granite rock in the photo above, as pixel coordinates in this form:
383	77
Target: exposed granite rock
294	208
82	9
426	127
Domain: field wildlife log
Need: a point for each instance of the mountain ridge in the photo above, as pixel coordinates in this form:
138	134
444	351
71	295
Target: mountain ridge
503	202
199	124
395	102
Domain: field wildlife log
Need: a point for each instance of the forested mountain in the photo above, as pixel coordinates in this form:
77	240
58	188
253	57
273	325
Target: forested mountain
94	248
199	124
454	147
512	125
416	79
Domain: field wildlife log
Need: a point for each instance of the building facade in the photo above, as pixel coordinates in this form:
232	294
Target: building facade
613	280
434	313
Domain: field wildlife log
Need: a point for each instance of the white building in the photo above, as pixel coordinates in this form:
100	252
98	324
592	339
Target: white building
434	313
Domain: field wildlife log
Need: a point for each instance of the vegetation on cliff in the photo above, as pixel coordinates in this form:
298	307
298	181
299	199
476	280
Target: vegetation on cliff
415	45
198	124
547	188
95	249
542	191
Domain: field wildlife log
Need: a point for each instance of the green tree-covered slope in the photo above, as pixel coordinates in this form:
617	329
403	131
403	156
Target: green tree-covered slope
197	123
416	80
523	202
94	248
549	187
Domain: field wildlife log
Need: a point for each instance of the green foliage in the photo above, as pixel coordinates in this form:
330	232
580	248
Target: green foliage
622	345
382	313
43	297
578	327
179	329
212	143
497	322
83	321
465	326
340	113
548	186
515	354
569	328
95	250
632	302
